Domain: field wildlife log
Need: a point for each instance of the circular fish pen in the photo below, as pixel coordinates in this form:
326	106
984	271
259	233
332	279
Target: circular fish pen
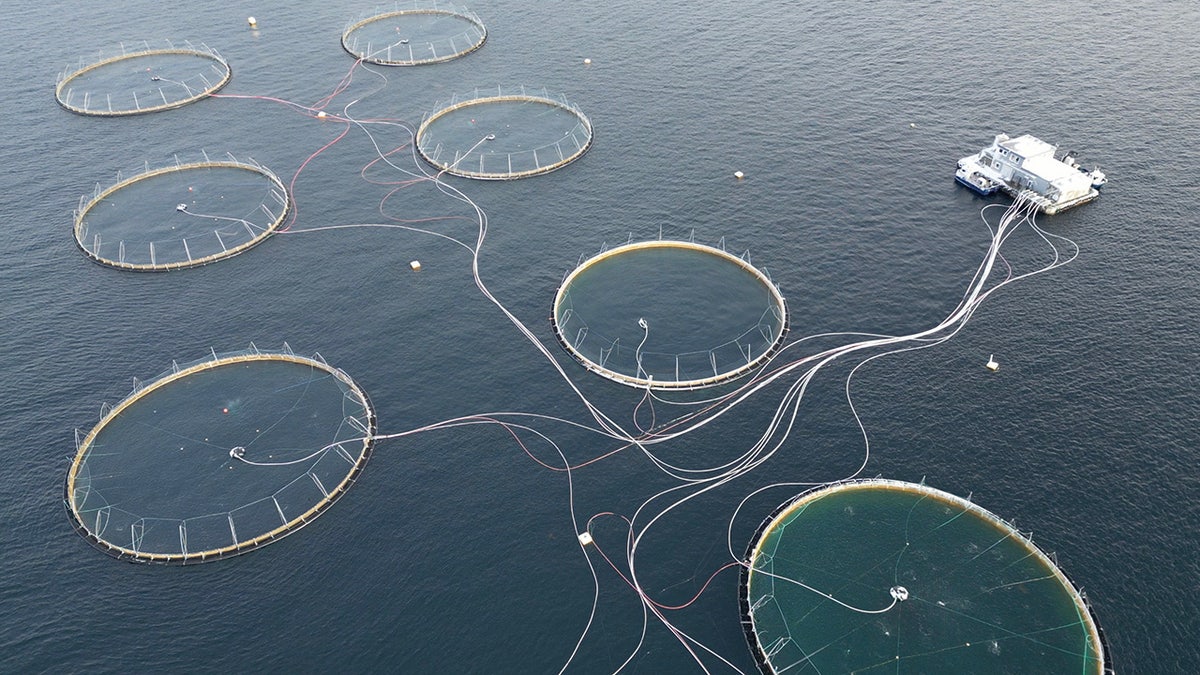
185	214
219	457
421	34
669	315
507	135
876	575
142	79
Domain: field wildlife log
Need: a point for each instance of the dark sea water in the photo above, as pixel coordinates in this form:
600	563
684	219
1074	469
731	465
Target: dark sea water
455	552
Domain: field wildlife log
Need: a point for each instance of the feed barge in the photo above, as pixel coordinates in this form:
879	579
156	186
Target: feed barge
1027	166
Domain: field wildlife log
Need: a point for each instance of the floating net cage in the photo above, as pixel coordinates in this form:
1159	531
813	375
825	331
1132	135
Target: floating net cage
669	315
414	34
218	457
184	214
885	576
503	135
142	78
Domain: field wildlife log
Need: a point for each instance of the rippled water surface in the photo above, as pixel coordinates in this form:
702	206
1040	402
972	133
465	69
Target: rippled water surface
456	551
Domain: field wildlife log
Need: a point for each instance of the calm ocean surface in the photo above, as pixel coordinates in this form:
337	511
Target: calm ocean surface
455	552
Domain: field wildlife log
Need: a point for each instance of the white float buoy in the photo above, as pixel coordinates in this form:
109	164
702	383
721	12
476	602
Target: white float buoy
739	175
415	265
252	21
912	125
992	365
585	538
587	62
321	115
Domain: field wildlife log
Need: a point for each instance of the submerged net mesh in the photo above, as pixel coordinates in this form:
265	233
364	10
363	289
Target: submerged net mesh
509	134
414	34
669	314
218	457
882	575
181	215
143	78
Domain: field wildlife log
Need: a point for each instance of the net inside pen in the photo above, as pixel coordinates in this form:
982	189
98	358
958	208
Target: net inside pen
141	78
503	134
181	215
669	314
968	592
219	457
414	34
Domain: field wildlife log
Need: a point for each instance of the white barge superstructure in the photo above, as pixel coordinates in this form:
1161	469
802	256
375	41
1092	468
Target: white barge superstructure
1027	166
